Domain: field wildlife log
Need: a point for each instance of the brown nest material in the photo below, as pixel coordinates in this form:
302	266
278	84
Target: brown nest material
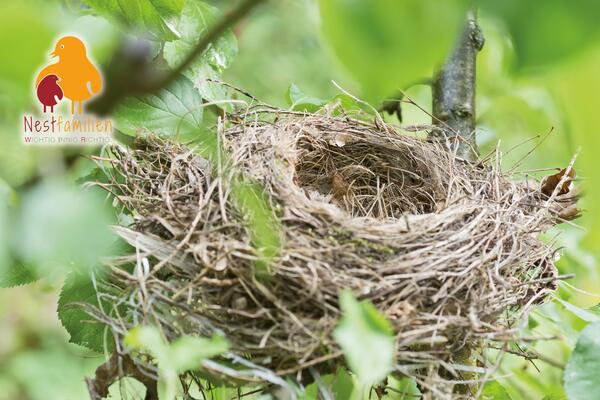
448	251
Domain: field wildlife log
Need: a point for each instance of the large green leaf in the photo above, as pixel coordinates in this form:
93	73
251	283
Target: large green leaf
366	339
389	44
176	110
83	330
196	18
581	378
148	16
548	30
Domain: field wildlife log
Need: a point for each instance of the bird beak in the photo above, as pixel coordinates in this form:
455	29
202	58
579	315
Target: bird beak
53	54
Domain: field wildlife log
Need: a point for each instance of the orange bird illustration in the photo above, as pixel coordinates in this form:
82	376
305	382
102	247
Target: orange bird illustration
79	79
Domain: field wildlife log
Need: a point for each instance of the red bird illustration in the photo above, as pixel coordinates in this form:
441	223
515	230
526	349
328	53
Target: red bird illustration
48	90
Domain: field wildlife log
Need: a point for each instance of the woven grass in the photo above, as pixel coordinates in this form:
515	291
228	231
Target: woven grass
448	251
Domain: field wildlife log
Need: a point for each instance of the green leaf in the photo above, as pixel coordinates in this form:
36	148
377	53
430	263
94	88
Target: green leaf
195	20
61	227
366	339
149	16
83	330
343	385
494	391
187	352
581	378
390	44
555	396
176	110
299	101
16	273
406	388
586	315
546	31
147	338
11	273
264	227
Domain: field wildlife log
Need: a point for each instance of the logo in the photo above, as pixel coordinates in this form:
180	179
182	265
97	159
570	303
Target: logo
75	79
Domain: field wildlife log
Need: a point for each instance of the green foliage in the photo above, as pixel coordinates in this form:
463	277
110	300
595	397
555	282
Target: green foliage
385	45
176	110
20	25
366	338
265	230
60	228
14	273
195	19
390	44
590	315
581	374
494	391
148	16
185	353
83	330
566	27
343	385
299	101
404	389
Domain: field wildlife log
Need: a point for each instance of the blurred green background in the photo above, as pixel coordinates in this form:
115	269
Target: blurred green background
542	95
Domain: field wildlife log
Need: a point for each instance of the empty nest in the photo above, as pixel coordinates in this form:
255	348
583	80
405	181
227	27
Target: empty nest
448	251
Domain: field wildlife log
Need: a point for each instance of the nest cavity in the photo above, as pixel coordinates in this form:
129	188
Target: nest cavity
447	250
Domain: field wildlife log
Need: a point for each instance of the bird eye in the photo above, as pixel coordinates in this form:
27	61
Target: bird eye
62	46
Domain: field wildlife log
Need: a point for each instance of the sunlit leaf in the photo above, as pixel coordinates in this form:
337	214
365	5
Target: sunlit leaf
147	16
147	338
195	20
581	377
187	352
366	339
389	44
176	110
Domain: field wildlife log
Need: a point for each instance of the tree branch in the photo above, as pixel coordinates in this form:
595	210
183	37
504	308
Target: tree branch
131	74
453	94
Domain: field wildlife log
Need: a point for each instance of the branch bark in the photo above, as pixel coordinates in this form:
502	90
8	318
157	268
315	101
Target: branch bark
453	94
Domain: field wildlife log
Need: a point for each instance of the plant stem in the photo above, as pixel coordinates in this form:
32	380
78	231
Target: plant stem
453	94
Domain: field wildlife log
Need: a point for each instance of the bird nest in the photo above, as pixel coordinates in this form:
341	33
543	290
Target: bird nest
448	251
